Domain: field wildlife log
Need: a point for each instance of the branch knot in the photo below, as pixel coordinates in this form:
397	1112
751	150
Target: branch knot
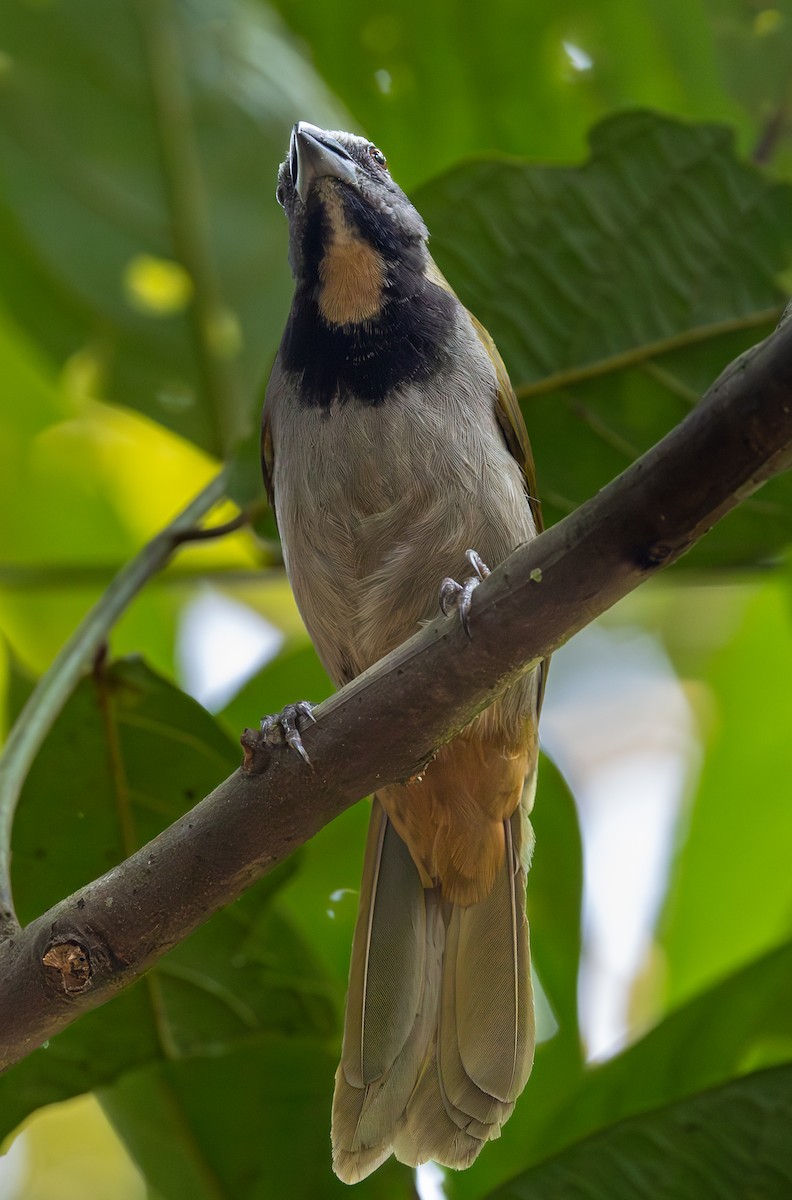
72	962
257	751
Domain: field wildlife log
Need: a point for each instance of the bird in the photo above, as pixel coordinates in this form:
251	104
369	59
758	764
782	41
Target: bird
397	462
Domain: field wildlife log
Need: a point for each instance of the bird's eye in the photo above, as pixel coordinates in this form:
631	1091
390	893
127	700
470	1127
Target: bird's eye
378	156
280	195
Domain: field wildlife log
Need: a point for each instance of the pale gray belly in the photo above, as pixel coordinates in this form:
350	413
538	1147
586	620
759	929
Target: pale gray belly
376	505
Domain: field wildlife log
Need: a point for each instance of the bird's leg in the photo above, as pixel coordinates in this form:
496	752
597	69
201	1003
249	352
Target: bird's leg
458	595
285	726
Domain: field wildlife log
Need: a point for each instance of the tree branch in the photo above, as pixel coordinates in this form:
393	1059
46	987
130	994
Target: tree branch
385	725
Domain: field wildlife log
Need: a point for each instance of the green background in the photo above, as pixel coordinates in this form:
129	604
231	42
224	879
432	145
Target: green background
609	188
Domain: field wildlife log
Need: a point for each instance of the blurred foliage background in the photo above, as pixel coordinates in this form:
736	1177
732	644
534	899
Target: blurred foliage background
608	187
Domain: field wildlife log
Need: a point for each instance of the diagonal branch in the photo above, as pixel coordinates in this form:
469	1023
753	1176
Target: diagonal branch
386	724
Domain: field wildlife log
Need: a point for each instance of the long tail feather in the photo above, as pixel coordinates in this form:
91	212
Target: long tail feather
392	1003
439	1032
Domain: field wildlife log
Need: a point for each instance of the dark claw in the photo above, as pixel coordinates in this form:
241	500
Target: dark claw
463	603
478	564
459	595
449	591
288	728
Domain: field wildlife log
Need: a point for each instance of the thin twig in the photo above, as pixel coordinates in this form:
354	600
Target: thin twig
56	685
205	533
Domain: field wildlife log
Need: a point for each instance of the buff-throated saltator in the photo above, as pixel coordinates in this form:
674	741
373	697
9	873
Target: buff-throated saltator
393	443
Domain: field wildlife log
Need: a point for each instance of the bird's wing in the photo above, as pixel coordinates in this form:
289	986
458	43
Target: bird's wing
267	455
510	419
507	408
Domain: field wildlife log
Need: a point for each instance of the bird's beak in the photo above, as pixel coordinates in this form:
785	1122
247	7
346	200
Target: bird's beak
313	154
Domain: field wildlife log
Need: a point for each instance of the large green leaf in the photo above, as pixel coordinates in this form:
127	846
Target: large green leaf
730	896
140	140
732	1142
555	886
616	292
128	755
258	1122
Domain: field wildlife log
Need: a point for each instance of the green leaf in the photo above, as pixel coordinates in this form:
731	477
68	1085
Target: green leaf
688	1051
730	894
95	1051
139	143
248	1126
128	755
616	292
731	1142
555	886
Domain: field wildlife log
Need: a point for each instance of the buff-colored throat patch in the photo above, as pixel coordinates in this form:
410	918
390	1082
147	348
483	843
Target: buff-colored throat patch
351	273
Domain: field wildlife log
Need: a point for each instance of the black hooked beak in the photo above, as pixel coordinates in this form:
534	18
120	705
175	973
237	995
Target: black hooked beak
313	154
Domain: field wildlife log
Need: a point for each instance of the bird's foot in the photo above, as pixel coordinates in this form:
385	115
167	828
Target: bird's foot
285	727
458	595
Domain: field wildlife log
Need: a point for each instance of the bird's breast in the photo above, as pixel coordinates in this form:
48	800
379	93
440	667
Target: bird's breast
377	504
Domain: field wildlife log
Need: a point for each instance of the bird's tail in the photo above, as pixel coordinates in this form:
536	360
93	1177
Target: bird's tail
439	1030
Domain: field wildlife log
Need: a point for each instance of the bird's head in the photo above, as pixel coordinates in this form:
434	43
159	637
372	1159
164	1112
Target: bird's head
353	232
